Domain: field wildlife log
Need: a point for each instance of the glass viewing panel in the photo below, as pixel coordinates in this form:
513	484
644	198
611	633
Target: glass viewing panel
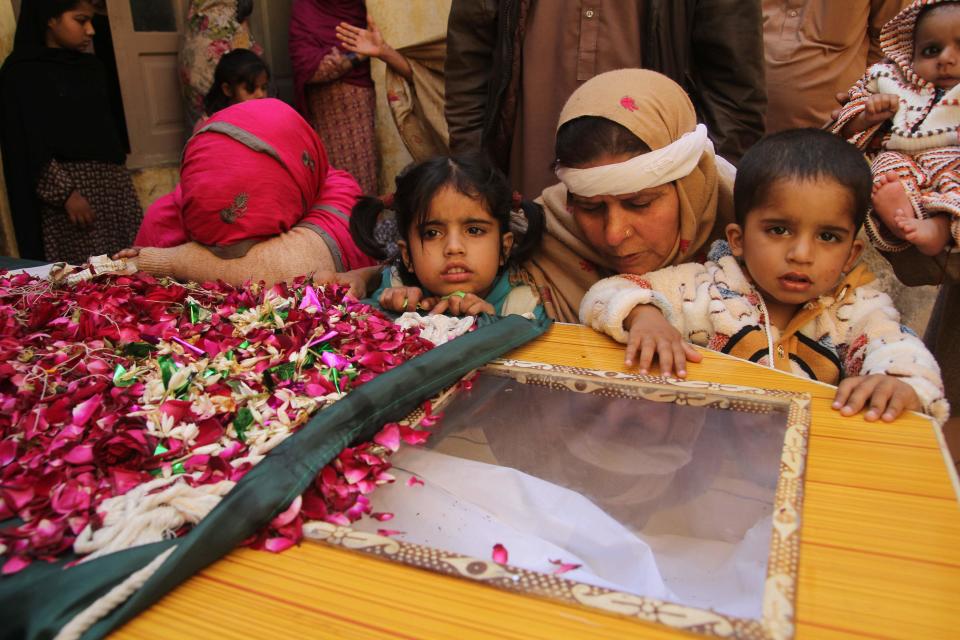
643	491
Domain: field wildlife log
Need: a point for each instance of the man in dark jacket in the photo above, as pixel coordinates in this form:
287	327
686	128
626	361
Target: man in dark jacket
511	64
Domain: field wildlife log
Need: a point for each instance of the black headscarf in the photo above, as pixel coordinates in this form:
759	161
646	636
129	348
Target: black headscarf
53	105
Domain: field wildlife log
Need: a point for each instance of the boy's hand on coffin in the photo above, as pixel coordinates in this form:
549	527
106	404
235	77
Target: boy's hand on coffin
469	304
884	397
649	336
79	210
400	299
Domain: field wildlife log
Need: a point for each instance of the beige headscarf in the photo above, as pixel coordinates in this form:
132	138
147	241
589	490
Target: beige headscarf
417	104
658	111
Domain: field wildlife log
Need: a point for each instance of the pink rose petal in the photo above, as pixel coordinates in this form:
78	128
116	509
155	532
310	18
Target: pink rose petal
389	437
310	302
382	517
413	436
197	350
390	532
82	454
413	481
210	431
176	409
14	565
278	545
329	335
383	477
83	411
19	497
355	473
124	480
366	486
500	554
8	451
98	367
334	360
289	514
338	519
563	567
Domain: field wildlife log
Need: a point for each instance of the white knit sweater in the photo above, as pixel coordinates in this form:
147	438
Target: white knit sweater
709	303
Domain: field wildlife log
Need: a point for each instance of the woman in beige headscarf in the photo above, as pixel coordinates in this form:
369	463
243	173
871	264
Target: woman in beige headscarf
641	187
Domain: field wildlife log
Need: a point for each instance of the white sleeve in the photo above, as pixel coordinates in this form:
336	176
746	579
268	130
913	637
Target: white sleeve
608	303
879	344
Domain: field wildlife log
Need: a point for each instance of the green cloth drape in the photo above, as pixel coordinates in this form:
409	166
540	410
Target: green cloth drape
38	601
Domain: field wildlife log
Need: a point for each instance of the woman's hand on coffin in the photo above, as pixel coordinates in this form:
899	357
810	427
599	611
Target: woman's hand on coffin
400	299
130	256
651	336
360	281
131	252
469	304
884	397
79	210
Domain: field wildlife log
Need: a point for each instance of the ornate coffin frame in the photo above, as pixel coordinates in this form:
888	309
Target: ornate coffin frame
777	620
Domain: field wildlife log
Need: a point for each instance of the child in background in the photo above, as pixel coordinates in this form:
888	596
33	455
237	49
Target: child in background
783	290
70	193
211	29
456	249
912	102
240	75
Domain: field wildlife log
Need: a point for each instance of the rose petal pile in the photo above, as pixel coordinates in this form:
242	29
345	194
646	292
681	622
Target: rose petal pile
118	380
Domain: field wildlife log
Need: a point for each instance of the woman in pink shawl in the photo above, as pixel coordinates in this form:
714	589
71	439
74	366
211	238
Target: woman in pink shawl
253	171
333	89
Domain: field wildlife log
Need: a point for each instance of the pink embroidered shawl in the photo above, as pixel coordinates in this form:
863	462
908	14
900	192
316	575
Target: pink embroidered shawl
254	170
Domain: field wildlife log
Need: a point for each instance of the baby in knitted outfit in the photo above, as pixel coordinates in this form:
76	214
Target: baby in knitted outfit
910	102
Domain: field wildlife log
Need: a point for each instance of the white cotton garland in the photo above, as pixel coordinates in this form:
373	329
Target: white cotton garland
438	329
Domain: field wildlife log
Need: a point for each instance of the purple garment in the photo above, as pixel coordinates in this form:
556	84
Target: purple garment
313	26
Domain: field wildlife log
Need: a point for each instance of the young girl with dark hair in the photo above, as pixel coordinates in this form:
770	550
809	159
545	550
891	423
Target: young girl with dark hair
70	193
455	250
240	75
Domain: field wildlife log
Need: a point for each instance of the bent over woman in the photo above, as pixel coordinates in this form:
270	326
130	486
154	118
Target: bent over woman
254	172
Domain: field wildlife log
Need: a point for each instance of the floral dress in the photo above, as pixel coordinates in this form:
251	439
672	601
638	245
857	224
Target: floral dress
211	31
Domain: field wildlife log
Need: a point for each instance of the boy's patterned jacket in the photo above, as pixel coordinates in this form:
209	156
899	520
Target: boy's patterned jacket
853	331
